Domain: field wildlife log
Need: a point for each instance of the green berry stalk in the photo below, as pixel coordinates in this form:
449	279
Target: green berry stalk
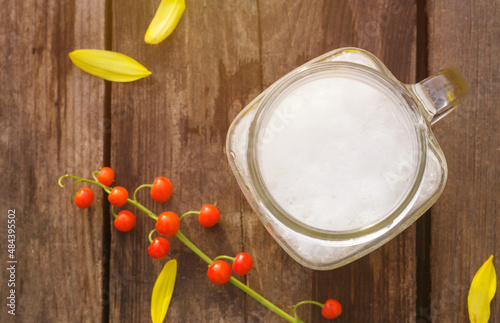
167	225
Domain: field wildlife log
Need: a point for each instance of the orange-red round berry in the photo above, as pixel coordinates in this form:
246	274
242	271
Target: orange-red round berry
159	248
167	224
209	216
106	176
118	196
242	263
331	309
84	198
219	272
125	221
161	189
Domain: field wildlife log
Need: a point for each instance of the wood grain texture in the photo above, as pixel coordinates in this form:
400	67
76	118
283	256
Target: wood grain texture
52	123
174	124
465	220
55	119
206	80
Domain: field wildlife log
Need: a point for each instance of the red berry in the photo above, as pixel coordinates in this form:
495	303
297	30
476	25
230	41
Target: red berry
331	309
209	216
125	221
219	272
242	263
118	196
167	224
106	176
159	248
161	189
84	198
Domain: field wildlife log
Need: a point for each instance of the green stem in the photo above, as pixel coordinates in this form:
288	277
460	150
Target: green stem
197	251
187	213
143	209
302	303
138	188
263	301
113	211
236	282
108	190
74	185
150	237
93	175
224	257
104	187
194	248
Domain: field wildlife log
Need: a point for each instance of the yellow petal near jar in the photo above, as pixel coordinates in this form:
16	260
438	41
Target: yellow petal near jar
167	17
108	65
481	292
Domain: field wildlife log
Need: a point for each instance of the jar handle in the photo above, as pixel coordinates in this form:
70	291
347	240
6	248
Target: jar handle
441	93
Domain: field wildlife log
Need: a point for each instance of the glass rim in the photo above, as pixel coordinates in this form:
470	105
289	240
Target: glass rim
304	74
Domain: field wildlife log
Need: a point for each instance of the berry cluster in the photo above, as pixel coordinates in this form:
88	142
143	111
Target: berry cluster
168	224
219	271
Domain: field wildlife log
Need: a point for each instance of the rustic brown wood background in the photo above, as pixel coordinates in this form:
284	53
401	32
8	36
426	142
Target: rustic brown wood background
55	119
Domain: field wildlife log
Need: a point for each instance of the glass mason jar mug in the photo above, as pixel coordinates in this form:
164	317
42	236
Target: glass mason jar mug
337	157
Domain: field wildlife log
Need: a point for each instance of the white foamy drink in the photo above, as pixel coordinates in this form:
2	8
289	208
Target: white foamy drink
336	153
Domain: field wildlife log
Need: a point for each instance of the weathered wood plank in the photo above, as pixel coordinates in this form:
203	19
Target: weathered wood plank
52	123
310	33
174	124
465	220
380	287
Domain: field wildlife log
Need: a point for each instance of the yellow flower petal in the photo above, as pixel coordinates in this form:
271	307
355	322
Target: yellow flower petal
162	291
108	65
167	16
482	290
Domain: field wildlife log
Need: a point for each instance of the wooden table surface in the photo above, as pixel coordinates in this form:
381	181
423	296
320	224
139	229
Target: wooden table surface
73	266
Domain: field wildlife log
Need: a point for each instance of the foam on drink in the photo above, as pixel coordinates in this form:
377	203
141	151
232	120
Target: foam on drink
337	154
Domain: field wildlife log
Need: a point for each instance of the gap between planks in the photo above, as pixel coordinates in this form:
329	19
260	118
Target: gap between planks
423	234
